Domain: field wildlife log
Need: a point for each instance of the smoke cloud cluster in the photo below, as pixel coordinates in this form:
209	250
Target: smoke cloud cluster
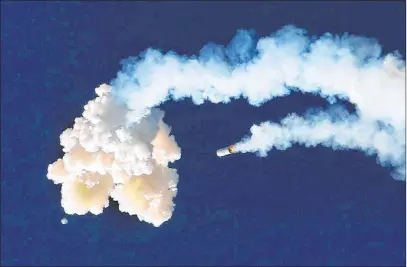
105	157
121	148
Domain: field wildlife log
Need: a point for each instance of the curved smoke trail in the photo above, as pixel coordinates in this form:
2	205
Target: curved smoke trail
121	147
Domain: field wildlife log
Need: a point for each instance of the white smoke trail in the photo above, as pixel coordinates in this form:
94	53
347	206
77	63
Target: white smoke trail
321	129
121	147
347	67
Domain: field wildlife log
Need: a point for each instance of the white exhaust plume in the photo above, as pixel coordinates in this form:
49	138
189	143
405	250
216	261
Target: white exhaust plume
347	67
322	129
121	147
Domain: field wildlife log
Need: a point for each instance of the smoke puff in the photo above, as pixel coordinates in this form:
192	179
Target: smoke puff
154	203
104	158
121	148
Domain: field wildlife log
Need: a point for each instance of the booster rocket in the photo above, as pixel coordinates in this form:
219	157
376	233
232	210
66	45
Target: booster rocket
226	151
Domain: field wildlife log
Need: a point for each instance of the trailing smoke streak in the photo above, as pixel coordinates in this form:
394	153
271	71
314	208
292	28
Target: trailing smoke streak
347	67
320	129
121	147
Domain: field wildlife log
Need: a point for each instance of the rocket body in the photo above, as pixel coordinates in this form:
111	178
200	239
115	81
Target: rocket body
225	151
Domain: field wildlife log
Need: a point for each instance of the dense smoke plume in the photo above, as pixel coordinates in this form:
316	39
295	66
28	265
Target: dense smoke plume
121	147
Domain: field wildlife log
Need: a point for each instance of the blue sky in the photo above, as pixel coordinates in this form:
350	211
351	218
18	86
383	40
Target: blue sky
299	206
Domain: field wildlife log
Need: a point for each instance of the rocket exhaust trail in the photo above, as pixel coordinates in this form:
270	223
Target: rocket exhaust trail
121	148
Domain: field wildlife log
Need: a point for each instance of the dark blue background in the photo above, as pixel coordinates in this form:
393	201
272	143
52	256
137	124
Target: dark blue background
300	206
